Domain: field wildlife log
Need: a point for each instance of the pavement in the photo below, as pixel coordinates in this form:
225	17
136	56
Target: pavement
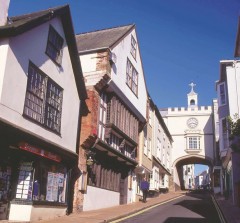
231	213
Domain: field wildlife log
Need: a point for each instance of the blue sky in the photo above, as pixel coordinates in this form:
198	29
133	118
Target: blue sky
180	41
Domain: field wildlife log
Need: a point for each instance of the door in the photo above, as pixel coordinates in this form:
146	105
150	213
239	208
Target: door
123	188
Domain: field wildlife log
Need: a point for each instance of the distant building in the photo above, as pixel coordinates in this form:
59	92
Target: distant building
188	176
203	180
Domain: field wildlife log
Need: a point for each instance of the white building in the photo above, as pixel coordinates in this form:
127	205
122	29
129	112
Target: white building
188	176
40	86
117	99
192	129
161	142
228	91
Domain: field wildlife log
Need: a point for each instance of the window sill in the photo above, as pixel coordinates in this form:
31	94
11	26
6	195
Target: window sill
193	151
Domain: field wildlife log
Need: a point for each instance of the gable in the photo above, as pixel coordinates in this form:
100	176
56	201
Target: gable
123	59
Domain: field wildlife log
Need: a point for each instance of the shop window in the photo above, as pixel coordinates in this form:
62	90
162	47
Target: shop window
42	181
49	182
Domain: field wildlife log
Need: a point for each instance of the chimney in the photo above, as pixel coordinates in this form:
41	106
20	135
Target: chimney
4	5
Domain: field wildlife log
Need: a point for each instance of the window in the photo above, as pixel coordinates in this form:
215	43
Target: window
149	148
132	77
159	149
54	46
222	94
150	116
162	180
43	101
49	182
41	180
133	47
225	133
145	148
194	143
102	116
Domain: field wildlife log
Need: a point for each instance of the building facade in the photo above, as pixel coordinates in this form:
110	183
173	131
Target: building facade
192	129
188	176
117	98
162	152
38	138
228	106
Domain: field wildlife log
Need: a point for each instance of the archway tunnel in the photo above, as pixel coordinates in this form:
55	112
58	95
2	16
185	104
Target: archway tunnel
178	174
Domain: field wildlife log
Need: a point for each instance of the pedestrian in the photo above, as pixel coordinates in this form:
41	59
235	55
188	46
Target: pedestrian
144	188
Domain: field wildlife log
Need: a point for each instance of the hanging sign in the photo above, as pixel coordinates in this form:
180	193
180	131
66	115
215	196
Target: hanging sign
38	151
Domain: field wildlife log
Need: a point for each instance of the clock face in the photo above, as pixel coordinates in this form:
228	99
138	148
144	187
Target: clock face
192	122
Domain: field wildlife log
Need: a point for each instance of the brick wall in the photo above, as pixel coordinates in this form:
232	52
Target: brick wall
88	128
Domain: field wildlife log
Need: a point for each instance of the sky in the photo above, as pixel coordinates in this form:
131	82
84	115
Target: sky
180	41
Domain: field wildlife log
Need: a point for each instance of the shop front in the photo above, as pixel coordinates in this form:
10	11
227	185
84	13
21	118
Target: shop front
34	180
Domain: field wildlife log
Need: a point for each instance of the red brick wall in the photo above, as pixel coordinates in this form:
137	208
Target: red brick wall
89	122
89	126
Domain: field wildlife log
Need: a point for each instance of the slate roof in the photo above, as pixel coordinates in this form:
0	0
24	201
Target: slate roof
101	39
19	24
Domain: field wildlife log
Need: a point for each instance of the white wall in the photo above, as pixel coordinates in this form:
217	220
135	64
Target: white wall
97	198
176	123
32	46
118	74
233	88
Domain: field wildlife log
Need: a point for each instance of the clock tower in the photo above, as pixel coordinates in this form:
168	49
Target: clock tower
192	97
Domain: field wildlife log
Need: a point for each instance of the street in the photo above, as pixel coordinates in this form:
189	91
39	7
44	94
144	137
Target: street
195	207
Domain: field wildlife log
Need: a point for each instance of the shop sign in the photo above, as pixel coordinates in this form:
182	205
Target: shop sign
38	151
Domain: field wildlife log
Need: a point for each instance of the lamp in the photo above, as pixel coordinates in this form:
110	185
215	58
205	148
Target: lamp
89	161
90	158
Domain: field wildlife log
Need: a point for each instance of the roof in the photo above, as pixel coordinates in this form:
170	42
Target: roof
101	39
20	24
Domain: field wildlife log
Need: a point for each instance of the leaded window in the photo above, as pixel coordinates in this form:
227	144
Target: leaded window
132	77
102	116
54	46
43	100
133	47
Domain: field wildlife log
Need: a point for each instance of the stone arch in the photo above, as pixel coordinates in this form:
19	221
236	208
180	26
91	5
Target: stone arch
177	173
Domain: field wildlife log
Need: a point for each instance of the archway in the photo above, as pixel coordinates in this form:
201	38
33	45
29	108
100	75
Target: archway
177	167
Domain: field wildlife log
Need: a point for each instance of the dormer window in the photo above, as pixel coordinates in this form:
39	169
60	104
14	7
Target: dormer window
133	47
54	46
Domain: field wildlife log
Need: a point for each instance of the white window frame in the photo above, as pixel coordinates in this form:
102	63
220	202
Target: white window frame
149	148
102	116
193	142
133	47
222	94
145	147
